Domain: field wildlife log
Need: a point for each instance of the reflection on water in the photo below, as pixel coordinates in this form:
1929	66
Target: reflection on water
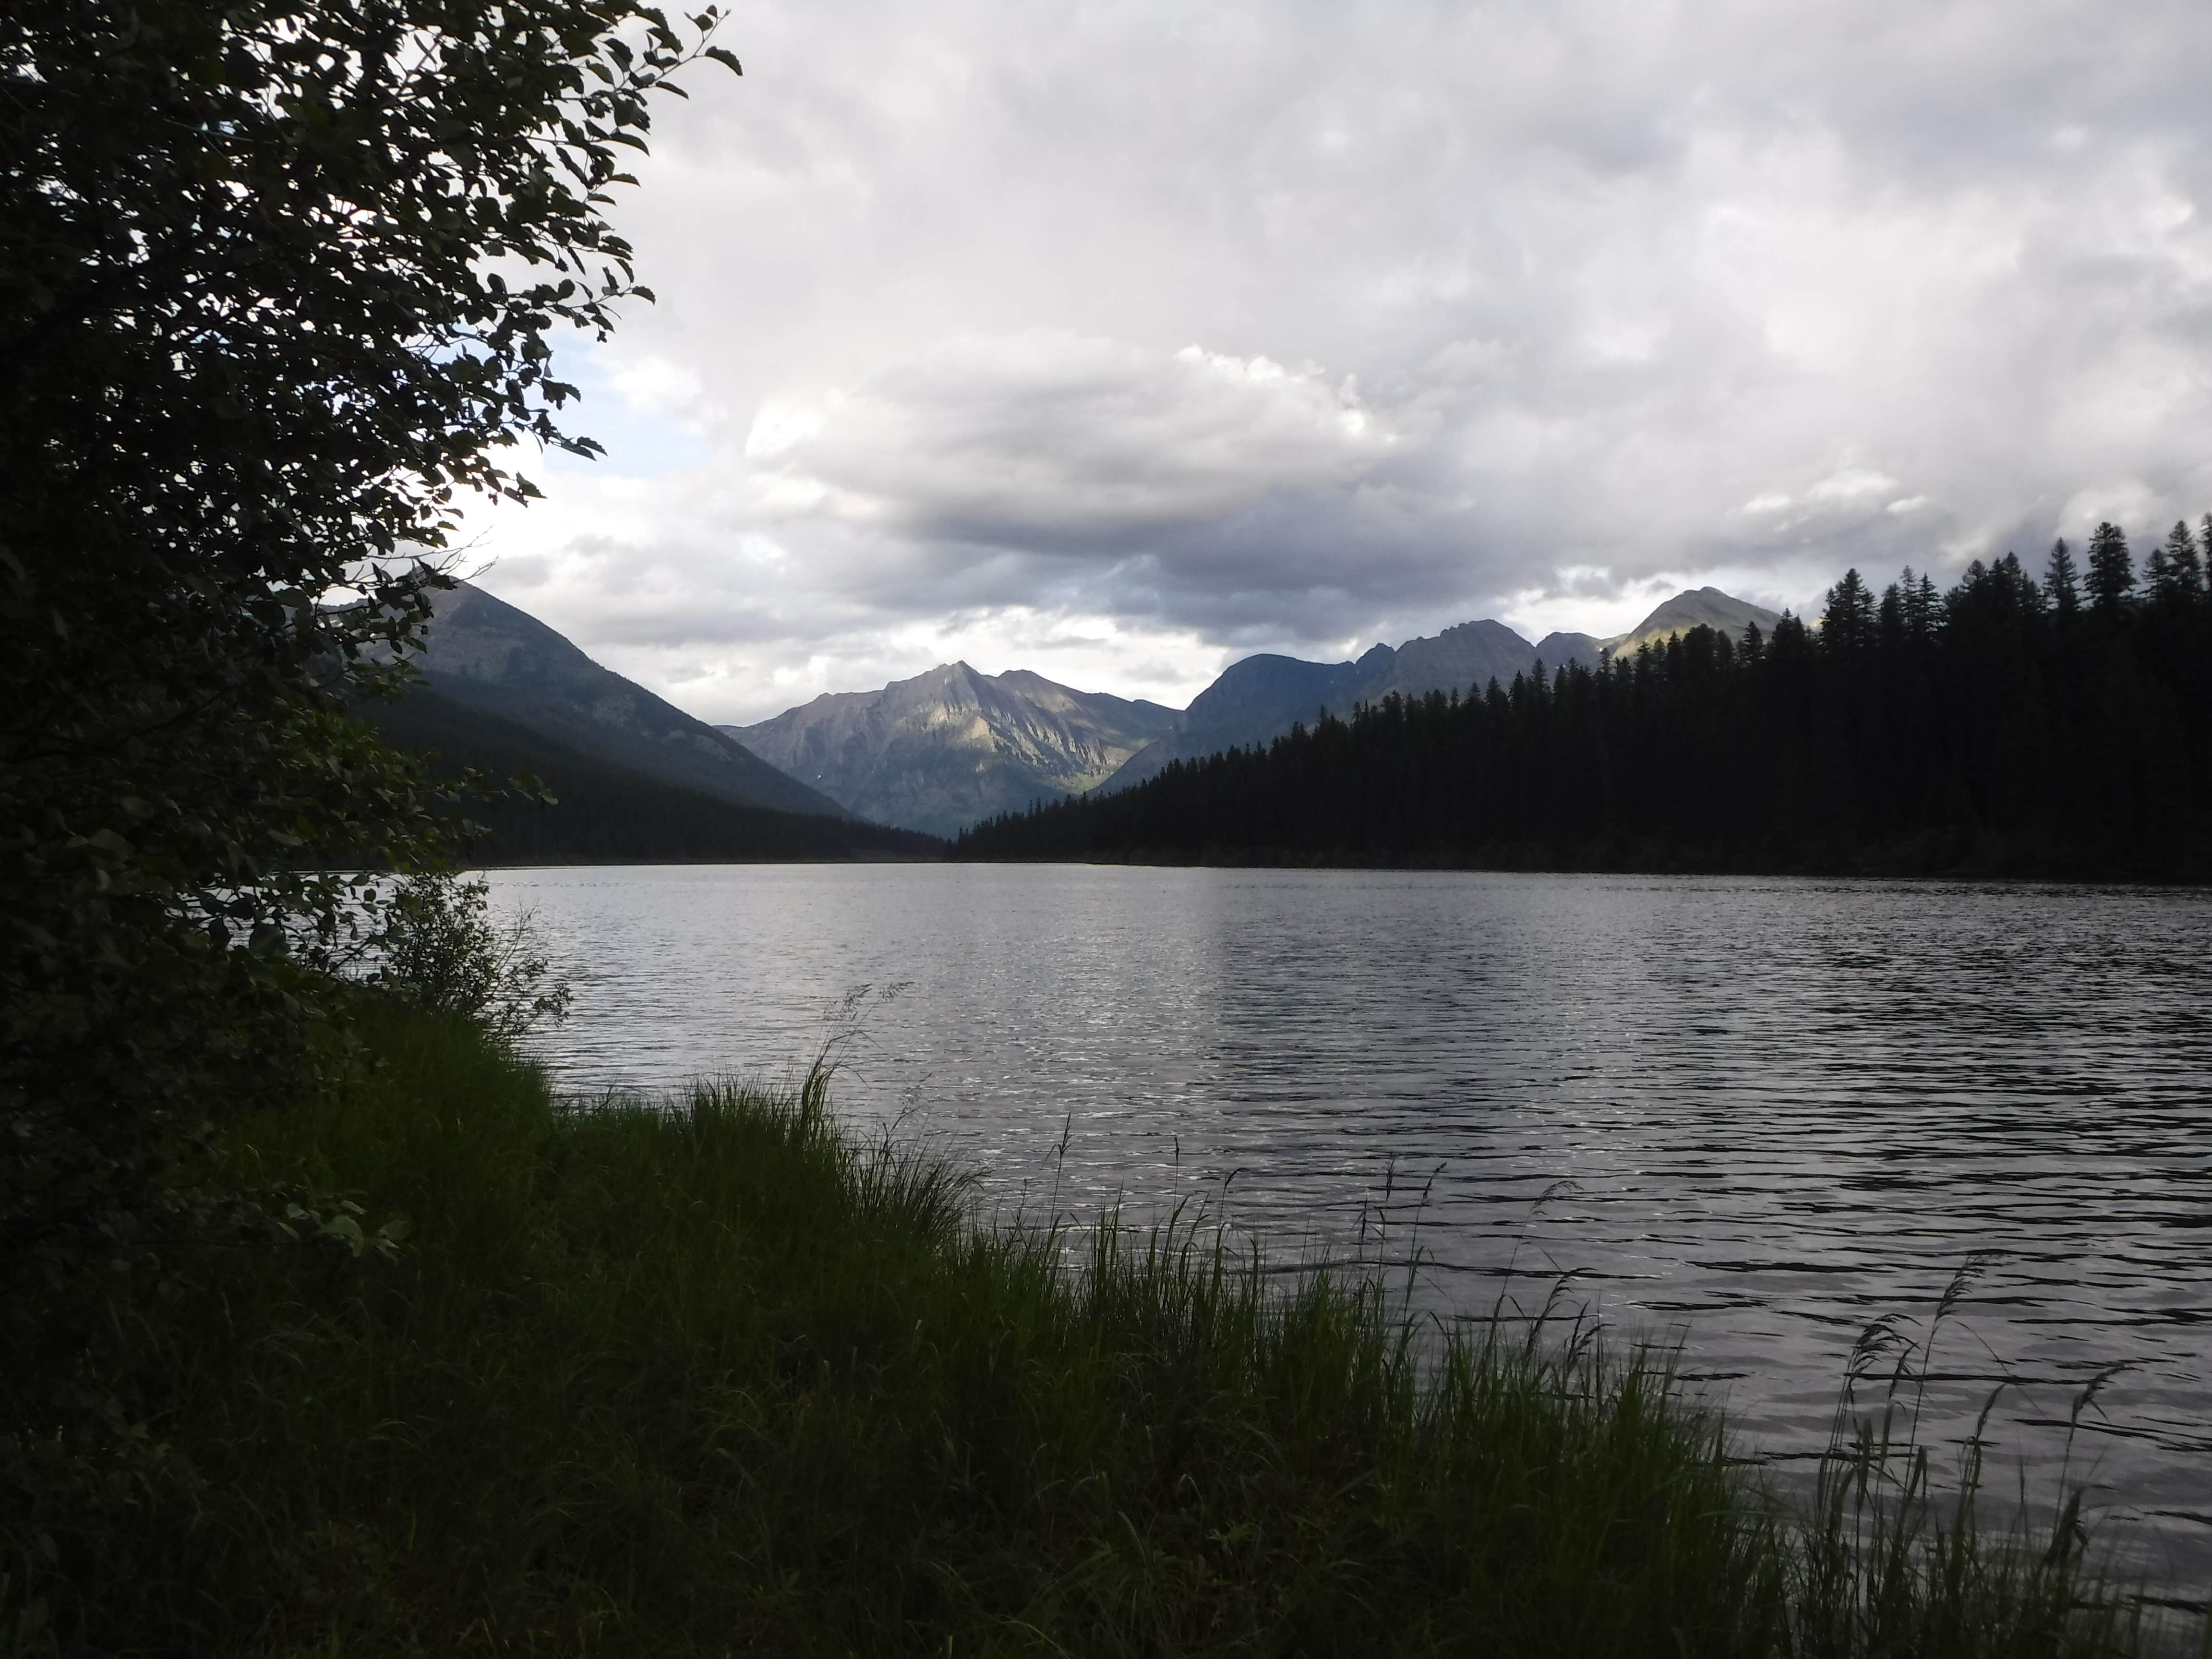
1786	1107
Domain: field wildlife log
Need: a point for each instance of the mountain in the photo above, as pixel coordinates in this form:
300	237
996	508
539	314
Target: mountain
952	746
1258	700
1472	654
1555	651
1702	607
485	655
1261	698
605	814
1255	701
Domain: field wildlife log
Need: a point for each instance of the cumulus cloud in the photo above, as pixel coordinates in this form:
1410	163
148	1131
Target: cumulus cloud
1005	439
1118	340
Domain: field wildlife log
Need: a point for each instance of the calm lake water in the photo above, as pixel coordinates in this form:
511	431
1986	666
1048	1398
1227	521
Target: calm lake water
1786	1107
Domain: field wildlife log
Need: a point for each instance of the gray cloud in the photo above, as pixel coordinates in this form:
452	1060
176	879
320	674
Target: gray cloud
1007	440
1117	340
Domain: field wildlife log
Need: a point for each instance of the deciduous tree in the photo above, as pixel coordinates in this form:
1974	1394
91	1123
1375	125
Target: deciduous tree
276	283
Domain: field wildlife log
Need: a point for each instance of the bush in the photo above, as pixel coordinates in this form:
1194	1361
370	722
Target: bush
437	948
280	277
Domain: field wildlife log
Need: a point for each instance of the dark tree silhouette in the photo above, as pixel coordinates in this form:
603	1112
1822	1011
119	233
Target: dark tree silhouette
276	283
1977	729
2111	571
2061	580
1848	623
2181	576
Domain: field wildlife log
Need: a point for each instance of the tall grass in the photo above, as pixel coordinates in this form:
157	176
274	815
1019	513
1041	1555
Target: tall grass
709	1376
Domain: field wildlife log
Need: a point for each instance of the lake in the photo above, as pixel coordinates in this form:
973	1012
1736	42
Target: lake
1748	1115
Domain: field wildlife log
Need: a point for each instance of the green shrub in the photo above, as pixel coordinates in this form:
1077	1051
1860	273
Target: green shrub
708	1377
436	947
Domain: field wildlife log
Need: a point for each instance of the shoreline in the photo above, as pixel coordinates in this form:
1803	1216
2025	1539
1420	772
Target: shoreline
711	1374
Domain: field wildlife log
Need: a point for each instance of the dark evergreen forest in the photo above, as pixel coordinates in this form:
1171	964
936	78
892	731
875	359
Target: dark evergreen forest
2054	727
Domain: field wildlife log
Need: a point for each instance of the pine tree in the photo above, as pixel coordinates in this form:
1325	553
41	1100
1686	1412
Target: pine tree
2186	572
2158	577
1890	617
2111	571
1989	732
1921	606
1848	623
2020	590
2061	580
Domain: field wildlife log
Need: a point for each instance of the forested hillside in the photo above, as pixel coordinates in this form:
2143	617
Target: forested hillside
2012	725
603	814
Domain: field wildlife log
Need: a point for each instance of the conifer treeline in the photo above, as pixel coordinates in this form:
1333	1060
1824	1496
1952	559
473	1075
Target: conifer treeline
2058	727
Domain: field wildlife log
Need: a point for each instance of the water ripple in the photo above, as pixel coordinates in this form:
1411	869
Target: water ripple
1786	1107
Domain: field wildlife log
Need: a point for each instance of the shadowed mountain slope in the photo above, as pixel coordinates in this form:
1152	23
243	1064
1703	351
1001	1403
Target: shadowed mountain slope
1259	699
1555	651
603	814
484	654
1255	701
1472	654
947	748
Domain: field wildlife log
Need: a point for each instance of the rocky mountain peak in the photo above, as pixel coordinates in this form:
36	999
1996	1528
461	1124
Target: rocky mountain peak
952	745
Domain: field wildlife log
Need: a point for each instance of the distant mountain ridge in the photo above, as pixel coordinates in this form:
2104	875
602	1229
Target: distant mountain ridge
1258	700
484	653
951	746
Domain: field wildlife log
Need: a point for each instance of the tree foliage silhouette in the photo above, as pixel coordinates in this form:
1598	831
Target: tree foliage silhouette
276	283
2111	570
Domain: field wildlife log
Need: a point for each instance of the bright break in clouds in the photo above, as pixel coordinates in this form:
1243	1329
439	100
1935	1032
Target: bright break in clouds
1119	341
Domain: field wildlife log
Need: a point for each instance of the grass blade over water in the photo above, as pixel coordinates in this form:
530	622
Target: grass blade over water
709	1375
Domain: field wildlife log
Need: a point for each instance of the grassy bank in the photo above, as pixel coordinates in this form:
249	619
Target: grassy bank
717	1380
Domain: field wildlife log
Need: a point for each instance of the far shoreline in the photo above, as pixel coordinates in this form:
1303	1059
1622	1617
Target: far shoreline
2193	881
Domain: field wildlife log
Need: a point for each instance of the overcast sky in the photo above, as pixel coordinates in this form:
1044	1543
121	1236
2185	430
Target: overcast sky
1120	341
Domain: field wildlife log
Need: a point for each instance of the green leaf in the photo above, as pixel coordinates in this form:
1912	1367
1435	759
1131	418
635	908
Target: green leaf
247	310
